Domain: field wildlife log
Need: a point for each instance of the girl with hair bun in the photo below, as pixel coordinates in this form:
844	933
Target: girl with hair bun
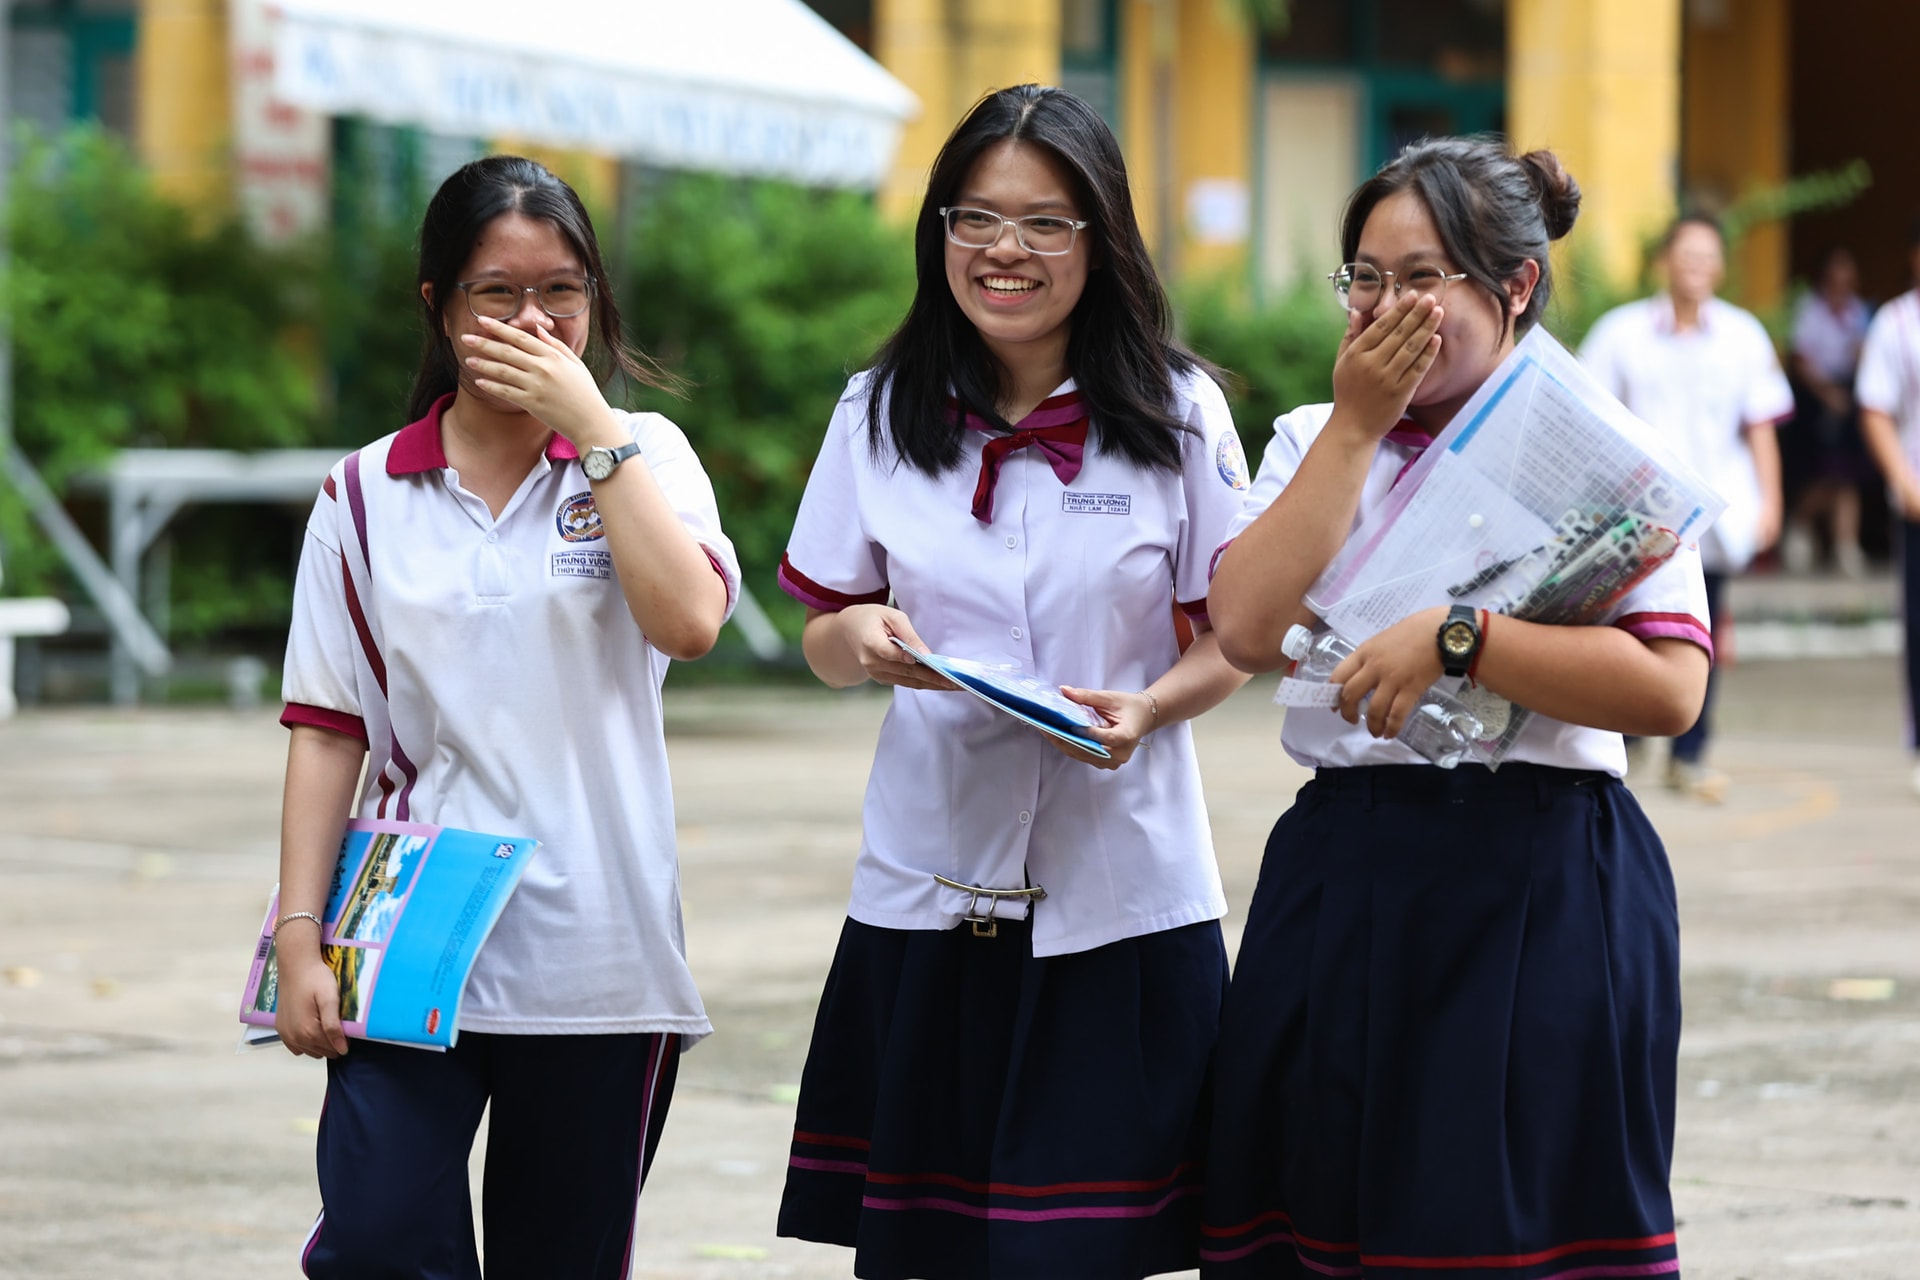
1009	1062
1450	1040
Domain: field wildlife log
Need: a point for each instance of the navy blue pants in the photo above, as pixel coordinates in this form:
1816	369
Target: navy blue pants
1689	745
573	1124
1907	534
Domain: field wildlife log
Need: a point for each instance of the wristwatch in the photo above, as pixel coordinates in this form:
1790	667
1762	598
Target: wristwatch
1459	639
599	462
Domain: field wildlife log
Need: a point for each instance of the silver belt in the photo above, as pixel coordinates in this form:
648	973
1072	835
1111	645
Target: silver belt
985	926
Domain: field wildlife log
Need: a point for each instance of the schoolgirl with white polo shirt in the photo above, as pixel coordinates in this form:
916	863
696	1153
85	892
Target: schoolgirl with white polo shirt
1450	1042
1007	1070
486	604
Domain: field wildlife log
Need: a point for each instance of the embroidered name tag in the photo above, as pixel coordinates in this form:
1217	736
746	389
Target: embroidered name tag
582	564
1096	504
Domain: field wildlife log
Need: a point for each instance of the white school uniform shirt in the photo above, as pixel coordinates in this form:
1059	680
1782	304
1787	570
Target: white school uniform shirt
1073	583
1830	340
1671	601
502	685
1705	388
1889	379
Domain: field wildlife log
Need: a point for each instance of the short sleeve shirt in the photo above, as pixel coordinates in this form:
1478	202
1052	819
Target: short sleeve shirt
1072	582
1670	602
1889	380
1830	340
1705	388
502	685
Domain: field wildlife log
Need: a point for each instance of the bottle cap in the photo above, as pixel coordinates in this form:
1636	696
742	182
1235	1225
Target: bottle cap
1296	642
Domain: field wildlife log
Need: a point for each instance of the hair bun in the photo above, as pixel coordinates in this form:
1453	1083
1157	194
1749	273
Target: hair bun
1559	194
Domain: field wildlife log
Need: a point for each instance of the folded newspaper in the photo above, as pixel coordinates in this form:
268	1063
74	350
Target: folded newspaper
1545	499
409	907
1024	697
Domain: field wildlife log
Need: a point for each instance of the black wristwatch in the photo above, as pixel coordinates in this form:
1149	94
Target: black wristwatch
1459	639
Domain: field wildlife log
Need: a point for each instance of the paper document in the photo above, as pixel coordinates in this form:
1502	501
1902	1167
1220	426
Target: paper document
1545	499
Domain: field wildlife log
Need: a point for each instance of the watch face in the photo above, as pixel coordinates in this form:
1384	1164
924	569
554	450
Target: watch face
1457	638
598	464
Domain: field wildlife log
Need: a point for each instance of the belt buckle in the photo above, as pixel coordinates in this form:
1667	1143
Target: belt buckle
988	925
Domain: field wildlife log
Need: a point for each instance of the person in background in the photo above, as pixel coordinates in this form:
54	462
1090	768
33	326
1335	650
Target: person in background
486	605
1824	442
1704	372
1007	1074
1889	394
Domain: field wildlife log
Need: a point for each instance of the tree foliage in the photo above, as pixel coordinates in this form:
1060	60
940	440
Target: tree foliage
764	297
135	326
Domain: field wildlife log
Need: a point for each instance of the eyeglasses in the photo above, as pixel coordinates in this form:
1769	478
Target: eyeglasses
1038	233
1358	285
561	297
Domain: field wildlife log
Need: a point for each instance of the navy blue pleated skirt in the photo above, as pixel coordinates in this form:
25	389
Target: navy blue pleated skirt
1450	1043
970	1112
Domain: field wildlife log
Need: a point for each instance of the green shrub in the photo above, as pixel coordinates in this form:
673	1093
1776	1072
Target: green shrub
133	326
1280	353
764	297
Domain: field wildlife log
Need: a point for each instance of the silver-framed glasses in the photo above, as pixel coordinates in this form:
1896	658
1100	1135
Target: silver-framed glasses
562	297
1045	234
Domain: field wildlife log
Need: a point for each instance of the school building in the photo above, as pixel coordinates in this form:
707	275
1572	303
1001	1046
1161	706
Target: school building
1243	129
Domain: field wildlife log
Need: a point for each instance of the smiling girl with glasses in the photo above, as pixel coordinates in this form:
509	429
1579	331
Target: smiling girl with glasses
1031	475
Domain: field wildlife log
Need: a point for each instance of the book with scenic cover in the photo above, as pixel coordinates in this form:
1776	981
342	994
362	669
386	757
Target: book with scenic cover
409	907
1024	697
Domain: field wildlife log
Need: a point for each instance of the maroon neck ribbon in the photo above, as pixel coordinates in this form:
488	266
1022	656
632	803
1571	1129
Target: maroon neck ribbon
1057	426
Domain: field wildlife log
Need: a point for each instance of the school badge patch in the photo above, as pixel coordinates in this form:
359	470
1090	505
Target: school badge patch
1230	461
579	520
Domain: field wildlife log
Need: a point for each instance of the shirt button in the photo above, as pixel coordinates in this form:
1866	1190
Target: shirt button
1026	816
1016	633
1012	542
493	537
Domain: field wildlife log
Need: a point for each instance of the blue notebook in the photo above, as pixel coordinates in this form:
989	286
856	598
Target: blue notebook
1024	697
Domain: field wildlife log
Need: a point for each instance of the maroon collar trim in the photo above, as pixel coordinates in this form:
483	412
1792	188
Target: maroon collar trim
418	449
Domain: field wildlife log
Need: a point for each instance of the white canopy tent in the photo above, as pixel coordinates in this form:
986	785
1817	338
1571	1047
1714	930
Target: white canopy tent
761	87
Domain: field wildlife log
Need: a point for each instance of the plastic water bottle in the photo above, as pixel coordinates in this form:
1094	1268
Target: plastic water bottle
1441	729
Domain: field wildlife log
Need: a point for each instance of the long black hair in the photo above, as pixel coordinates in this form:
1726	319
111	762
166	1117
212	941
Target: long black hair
1121	350
1493	210
459	212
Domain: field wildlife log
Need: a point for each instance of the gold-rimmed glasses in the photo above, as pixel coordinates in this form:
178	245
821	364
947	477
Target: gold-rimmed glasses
1360	286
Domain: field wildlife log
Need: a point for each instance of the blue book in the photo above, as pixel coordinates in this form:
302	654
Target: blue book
409	908
1026	698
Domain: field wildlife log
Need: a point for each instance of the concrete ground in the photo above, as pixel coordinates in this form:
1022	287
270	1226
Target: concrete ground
136	850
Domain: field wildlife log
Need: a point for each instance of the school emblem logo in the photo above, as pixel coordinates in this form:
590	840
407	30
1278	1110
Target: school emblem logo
579	520
1230	461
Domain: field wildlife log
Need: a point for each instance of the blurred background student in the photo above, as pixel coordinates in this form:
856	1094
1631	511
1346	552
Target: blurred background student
1825	458
1889	391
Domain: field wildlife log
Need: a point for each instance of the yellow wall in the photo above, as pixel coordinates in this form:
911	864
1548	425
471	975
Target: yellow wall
1186	117
1734	129
183	113
1598	81
950	52
1213	125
